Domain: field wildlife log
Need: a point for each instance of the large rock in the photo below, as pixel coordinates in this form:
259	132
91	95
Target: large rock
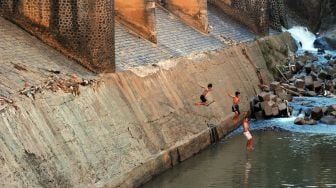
322	43
308	68
322	75
311	93
264	96
299	83
298	66
282	106
275	111
329	120
309	82
274	86
316	113
299	121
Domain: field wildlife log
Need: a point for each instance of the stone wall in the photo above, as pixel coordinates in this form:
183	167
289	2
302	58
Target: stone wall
139	16
82	30
193	12
134	125
251	13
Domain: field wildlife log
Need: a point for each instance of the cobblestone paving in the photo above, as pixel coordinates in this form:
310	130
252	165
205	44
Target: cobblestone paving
24	57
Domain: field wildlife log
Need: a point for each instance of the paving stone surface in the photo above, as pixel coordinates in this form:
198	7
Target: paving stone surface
25	58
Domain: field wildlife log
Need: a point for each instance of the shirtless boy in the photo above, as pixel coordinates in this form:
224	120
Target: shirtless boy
247	133
203	96
235	105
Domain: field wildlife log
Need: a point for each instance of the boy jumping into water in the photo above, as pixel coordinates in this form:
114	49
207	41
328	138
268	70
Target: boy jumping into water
203	96
235	105
247	133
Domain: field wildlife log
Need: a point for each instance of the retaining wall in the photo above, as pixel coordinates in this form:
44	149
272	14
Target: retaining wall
82	30
136	124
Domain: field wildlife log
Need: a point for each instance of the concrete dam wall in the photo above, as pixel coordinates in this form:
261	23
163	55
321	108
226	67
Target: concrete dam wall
134	125
85	31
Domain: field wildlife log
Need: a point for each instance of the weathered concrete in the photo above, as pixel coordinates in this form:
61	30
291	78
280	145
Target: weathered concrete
193	12
136	124
81	30
253	14
139	16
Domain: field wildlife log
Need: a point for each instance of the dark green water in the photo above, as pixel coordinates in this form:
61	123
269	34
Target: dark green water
279	159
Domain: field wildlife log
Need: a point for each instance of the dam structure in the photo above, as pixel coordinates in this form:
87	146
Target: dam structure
102	93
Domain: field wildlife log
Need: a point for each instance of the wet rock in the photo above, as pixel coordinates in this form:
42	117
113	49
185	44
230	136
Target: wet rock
317	86
310	122
333	113
316	113
282	106
327	56
298	66
322	43
299	83
308	68
309	82
311	93
322	75
329	120
314	75
299	121
259	115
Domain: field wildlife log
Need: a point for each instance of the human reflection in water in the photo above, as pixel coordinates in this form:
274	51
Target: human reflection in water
248	167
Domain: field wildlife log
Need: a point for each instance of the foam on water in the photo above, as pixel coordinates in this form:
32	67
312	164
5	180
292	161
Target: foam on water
303	35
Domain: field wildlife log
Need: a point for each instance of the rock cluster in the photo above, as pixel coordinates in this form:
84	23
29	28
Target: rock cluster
326	115
55	83
306	77
272	102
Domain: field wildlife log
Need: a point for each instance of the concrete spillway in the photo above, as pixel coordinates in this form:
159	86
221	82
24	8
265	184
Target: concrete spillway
134	125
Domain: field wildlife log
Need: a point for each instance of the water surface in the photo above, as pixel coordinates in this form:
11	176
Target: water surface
279	159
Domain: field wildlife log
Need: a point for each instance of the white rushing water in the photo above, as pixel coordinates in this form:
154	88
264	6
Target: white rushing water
303	35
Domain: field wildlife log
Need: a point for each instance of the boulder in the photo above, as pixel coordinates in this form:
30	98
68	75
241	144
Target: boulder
316	113
273	97
282	106
280	90
264	96
311	93
322	75
310	122
322	43
313	75
329	120
308	68
333	113
267	109
299	65
301	91
274	86
275	111
317	86
309	83
259	115
299	121
299	83
293	88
